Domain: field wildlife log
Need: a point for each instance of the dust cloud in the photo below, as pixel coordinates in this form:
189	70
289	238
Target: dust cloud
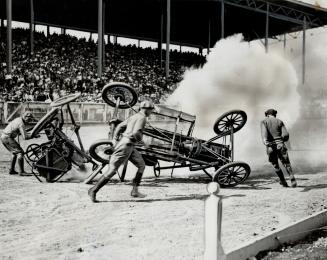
309	132
239	75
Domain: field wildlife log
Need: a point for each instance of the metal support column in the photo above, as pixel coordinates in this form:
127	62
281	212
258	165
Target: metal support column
284	45
100	36
161	37
63	31
167	41
103	34
9	35
48	30
303	49
209	35
267	28
31	27
222	19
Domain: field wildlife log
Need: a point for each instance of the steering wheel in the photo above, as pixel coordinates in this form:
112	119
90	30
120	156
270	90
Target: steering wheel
112	91
44	122
234	119
64	100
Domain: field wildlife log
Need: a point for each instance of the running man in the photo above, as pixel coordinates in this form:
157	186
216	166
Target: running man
274	134
131	131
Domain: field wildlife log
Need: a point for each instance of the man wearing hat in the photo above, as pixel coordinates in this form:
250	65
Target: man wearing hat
274	134
12	130
131	132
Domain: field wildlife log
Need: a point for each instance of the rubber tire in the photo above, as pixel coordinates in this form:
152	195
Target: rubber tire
229	165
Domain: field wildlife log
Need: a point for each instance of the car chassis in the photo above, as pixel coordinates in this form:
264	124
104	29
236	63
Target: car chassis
215	159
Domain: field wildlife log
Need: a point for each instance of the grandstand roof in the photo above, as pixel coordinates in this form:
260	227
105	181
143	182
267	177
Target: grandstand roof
189	18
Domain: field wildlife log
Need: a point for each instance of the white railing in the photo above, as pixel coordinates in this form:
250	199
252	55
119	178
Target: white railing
84	113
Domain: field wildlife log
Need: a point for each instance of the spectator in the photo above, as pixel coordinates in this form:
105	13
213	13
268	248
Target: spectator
63	63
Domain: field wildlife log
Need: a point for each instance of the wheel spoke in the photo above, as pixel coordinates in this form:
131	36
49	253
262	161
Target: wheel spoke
239	178
240	170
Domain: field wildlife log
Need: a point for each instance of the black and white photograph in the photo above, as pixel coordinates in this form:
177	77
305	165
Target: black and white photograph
163	129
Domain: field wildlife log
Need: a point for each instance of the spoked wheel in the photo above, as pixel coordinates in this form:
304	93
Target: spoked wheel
101	150
33	152
232	120
126	94
232	174
156	169
65	100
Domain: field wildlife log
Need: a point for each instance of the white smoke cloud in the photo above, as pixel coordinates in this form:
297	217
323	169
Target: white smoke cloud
239	75
309	132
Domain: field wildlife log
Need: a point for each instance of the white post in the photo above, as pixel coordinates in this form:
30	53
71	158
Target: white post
213	217
81	108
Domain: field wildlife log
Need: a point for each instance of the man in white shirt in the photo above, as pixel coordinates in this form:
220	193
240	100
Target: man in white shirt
12	130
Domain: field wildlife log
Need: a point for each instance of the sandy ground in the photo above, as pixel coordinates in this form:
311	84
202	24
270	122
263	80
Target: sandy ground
58	220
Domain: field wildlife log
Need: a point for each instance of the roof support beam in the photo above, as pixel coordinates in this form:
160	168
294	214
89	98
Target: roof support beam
276	11
9	35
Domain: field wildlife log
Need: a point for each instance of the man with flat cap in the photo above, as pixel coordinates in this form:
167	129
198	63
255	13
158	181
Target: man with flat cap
12	130
274	135
131	131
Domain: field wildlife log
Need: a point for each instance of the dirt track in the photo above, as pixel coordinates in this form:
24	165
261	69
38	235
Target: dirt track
58	221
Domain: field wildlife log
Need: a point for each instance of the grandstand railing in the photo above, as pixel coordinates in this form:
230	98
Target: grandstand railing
84	113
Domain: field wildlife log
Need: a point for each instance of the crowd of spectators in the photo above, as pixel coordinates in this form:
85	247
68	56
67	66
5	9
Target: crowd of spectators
63	64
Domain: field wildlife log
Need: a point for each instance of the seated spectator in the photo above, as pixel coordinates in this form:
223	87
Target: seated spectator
63	64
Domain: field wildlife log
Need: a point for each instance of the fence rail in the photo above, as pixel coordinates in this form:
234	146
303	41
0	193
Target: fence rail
84	113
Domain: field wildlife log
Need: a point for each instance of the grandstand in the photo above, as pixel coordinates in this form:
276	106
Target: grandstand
40	68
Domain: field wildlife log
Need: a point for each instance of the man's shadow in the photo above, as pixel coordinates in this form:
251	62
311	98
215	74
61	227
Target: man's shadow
313	187
176	198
